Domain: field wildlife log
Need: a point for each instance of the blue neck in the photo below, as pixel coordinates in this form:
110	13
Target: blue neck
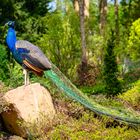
11	39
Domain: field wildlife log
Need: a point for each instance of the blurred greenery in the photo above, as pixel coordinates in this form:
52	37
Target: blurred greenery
57	33
110	69
134	40
132	95
61	42
4	70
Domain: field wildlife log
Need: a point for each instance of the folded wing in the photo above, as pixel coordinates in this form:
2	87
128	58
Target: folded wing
33	58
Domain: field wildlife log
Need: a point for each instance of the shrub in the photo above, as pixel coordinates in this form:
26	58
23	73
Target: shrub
4	71
132	95
134	40
110	70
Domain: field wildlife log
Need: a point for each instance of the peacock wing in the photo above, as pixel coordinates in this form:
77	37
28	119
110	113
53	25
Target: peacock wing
32	54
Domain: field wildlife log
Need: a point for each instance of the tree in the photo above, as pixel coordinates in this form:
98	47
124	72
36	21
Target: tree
130	12
116	21
37	7
133	47
6	10
103	16
110	70
85	8
61	42
76	6
82	6
83	36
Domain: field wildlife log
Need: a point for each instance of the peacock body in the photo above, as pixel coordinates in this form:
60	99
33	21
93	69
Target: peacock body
31	58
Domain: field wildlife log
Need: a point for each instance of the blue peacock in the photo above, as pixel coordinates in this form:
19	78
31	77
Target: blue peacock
31	58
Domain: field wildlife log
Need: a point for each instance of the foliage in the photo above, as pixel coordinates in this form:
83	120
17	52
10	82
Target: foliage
4	71
95	48
132	95
110	70
26	13
10	74
99	88
131	77
130	11
134	40
88	76
15	76
35	7
61	43
74	122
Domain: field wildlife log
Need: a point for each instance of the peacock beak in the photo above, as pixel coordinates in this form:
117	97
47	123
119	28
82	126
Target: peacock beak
10	23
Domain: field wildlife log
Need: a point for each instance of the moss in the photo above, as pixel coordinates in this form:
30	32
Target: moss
132	95
88	127
74	122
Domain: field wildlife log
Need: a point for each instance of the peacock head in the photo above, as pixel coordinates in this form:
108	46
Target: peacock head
11	24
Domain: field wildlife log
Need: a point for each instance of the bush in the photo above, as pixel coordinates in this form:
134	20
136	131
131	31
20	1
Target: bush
4	71
61	42
132	95
110	70
92	90
134	40
15	76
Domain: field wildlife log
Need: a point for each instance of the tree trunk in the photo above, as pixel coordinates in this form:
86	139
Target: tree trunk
76	6
116	21
102	27
85	8
103	16
82	29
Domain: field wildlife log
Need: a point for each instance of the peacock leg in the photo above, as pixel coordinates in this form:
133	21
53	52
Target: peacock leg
26	77
28	80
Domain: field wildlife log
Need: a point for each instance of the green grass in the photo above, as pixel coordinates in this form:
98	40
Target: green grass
132	96
97	89
74	122
88	127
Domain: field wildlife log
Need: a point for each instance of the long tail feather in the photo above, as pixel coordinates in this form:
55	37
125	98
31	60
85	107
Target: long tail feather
65	85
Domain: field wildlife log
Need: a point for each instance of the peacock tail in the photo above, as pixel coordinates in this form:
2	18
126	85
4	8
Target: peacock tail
65	85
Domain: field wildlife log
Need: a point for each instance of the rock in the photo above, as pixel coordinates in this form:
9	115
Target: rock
27	104
15	138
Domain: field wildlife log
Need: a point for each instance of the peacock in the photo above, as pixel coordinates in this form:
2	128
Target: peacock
31	58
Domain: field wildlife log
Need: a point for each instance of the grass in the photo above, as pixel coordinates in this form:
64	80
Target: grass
97	89
74	122
132	96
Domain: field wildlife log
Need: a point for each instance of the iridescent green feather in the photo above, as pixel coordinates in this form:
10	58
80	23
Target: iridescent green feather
65	85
